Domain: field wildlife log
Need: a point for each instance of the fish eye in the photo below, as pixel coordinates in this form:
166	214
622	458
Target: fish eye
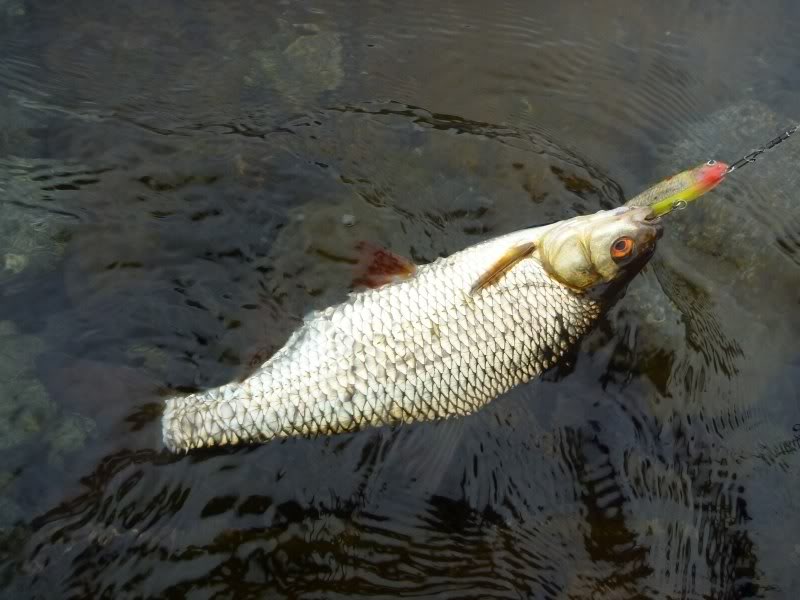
711	163
622	248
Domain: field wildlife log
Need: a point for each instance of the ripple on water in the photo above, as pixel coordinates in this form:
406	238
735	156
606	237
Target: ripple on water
543	492
716	350
204	175
299	528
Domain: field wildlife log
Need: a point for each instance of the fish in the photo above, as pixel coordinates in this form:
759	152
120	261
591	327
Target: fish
433	341
678	190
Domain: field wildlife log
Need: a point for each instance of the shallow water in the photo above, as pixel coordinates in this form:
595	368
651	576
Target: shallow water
181	183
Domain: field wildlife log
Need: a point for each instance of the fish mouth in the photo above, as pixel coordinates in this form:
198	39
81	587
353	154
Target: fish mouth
651	237
650	225
650	229
656	229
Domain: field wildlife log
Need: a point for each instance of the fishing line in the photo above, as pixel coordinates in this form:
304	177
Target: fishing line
751	158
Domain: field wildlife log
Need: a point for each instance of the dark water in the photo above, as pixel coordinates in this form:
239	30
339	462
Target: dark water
181	182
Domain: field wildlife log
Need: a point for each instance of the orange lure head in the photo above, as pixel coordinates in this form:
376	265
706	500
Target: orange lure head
710	175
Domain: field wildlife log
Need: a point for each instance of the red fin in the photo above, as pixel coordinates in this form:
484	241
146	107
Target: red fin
378	266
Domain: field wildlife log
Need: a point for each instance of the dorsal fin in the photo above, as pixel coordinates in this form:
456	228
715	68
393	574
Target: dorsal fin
378	266
509	258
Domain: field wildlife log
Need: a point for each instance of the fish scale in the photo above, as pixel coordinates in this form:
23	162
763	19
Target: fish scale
421	349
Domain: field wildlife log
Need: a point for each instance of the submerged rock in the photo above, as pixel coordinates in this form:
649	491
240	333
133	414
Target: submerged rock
148	356
26	243
725	276
751	224
16	263
25	407
31	424
32	234
13	9
713	325
10	511
454	189
16	126
27	413
302	62
70	434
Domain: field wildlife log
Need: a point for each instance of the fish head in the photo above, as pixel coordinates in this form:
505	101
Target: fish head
593	252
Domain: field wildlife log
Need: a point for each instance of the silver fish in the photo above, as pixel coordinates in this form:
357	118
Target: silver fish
443	341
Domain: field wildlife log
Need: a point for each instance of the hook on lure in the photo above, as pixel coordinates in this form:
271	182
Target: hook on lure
676	192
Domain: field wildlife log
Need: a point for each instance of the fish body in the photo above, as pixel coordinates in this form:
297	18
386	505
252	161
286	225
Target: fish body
682	188
443	341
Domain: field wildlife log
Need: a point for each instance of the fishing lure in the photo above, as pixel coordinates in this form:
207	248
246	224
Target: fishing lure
674	193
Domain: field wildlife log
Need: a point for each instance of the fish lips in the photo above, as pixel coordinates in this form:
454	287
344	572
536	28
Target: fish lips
654	229
651	230
647	245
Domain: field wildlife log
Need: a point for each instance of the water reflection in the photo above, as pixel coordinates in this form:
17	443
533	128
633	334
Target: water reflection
180	185
653	523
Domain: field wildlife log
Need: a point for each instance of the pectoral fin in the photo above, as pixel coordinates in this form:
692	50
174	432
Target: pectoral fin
511	257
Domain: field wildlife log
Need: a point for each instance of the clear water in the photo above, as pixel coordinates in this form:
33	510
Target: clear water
181	182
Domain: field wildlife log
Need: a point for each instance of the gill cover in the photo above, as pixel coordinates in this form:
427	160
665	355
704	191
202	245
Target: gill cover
598	249
582	252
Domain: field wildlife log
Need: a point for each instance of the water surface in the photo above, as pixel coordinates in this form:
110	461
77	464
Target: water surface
180	183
